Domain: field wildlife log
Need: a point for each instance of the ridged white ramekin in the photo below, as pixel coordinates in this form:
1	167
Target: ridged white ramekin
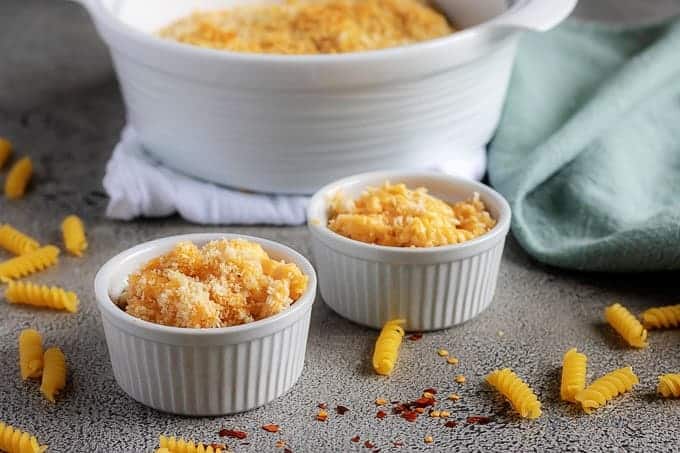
292	123
203	371
431	288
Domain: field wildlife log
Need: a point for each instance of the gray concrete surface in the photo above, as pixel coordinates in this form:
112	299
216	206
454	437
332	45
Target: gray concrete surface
59	103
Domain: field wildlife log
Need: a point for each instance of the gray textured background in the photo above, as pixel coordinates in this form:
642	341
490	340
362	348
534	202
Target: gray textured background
59	103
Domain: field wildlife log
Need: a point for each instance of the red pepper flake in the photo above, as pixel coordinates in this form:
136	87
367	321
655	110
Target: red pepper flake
409	416
341	410
424	402
399	408
234	434
381	414
451	424
355	439
430	390
397	444
322	415
322	406
271	428
478	420
287	450
415	336
368	444
218	446
280	443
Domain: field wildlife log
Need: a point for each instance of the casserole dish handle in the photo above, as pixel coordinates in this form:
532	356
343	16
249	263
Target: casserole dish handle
537	15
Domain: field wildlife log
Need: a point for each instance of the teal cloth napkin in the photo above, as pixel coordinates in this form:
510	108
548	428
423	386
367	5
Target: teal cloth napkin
588	148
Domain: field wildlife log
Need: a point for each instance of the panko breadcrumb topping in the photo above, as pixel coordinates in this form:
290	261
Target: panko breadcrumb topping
224	283
311	26
394	215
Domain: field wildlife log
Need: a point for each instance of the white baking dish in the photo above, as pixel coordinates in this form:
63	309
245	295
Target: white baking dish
431	288
290	124
203	371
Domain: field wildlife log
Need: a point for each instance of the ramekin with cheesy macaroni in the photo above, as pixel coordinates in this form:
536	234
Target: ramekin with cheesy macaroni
424	247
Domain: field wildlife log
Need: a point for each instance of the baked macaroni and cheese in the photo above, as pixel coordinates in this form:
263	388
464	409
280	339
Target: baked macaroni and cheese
311	26
223	283
397	216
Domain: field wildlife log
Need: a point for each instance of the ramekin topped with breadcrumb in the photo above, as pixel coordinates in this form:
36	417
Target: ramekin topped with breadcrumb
206	324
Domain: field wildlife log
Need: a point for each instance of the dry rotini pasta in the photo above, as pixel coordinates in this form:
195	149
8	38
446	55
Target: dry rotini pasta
669	385
5	150
30	353
626	325
18	178
163	450
13	440
73	231
54	373
607	387
518	393
29	263
661	317
179	445
573	374
387	347
15	241
41	296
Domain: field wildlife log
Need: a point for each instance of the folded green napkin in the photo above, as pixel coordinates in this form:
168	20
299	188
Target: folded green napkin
588	149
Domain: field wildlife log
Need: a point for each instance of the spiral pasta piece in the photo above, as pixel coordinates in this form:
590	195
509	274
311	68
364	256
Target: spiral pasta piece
5	150
179	445
29	263
518	393
574	366
669	385
15	241
661	317
54	373
607	387
13	440
41	296
30	353
73	231
387	347
18	178
626	325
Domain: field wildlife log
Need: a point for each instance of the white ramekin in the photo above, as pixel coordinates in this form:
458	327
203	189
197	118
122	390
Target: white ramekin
290	124
431	288
203	371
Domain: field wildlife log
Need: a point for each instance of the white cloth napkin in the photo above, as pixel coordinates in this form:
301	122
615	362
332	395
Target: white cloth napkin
140	186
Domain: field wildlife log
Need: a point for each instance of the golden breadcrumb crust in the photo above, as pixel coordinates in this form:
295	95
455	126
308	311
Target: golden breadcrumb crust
311	26
224	283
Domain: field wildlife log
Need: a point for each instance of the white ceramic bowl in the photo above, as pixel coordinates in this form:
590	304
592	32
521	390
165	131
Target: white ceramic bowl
431	288
203	371
290	124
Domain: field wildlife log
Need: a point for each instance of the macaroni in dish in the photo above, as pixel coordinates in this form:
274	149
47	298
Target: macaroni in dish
311	26
394	215
223	283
